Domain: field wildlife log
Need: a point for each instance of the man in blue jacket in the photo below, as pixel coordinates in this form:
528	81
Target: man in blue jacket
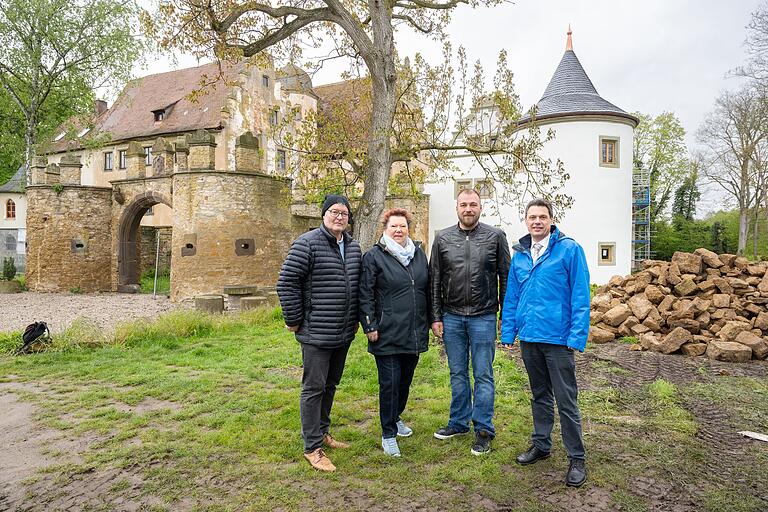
547	308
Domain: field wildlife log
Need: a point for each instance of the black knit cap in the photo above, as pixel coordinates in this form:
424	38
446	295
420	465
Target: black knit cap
332	199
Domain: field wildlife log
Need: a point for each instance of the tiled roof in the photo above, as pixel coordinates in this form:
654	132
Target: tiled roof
132	116
16	183
570	92
348	106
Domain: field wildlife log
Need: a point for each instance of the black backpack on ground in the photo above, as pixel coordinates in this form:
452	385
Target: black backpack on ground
33	333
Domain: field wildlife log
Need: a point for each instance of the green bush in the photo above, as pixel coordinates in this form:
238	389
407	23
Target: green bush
9	269
10	342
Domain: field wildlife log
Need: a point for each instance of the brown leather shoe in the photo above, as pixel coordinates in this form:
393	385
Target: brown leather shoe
330	442
319	460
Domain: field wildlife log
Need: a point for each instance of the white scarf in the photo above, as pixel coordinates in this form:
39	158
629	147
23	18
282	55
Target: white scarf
403	254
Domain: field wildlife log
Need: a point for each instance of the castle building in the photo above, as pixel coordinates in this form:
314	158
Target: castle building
594	140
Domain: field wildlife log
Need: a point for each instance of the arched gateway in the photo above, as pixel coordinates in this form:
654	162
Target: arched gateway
128	238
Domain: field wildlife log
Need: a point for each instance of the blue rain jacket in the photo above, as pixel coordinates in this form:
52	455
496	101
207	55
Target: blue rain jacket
548	302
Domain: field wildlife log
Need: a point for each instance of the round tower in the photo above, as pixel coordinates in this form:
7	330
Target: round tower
594	140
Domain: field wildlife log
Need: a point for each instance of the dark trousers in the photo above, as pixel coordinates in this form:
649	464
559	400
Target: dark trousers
395	377
323	368
552	374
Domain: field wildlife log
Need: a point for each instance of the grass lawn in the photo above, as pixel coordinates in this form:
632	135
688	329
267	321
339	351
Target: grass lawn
147	282
200	413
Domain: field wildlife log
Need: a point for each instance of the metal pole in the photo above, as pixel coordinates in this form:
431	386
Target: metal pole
157	262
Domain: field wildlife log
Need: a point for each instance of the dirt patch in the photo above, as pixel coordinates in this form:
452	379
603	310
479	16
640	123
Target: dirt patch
22	453
148	404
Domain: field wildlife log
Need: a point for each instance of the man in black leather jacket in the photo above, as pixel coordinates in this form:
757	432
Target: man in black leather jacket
469	264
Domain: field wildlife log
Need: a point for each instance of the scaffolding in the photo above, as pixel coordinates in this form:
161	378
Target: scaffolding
641	217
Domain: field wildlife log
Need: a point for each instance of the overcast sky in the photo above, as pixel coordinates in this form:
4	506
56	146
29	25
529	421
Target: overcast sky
649	56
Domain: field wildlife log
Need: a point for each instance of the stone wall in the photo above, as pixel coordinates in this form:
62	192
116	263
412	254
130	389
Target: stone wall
148	248
300	224
230	229
69	244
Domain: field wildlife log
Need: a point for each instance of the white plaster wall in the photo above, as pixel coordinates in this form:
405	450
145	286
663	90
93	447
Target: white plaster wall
21	210
602	209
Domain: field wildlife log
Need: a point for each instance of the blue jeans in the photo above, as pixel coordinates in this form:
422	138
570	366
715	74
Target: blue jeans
475	337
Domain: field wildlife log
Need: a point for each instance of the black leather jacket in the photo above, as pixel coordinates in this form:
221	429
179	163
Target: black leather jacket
468	271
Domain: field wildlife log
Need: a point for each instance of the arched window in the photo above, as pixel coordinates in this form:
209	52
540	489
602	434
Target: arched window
10	209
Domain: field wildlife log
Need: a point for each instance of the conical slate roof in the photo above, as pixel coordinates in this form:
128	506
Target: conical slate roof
570	93
16	183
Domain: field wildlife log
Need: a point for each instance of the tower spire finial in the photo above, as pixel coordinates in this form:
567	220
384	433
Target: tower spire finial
569	41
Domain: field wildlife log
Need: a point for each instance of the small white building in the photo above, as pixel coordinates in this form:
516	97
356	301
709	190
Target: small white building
13	220
593	139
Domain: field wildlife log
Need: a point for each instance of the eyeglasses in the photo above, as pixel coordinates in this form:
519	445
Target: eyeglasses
337	213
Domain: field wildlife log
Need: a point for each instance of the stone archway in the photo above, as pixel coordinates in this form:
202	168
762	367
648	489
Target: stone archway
128	270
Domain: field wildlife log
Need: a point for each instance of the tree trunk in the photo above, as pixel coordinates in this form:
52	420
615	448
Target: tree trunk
29	141
754	233
381	65
743	231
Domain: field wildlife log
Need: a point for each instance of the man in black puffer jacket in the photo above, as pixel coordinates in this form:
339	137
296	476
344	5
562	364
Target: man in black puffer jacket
318	293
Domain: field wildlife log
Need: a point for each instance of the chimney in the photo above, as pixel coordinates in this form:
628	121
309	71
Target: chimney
99	106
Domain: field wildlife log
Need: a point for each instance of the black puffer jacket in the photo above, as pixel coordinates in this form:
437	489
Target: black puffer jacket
468	271
393	301
318	290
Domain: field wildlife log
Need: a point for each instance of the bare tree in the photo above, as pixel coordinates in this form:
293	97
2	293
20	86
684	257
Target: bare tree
732	135
365	32
756	45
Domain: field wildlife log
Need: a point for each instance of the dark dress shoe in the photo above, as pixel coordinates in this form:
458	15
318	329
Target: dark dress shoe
577	473
532	455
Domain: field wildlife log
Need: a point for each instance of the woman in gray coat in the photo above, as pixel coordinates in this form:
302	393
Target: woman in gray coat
394	289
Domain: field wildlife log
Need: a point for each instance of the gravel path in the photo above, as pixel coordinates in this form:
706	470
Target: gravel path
58	310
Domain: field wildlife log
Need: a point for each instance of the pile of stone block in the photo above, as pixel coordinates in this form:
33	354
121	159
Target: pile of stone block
697	304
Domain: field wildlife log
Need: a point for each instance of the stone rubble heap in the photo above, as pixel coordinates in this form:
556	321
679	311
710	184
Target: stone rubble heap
697	304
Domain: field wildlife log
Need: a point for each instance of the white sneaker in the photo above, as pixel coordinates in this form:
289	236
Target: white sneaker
390	446
403	430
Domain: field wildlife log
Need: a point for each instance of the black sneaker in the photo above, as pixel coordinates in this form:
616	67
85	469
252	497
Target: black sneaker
449	432
482	444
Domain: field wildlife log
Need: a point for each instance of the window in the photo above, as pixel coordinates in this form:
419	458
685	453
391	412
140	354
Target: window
121	158
609	152
273	117
461	185
10	243
148	156
108	161
281	160
10	209
159	115
485	188
606	253
265	80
